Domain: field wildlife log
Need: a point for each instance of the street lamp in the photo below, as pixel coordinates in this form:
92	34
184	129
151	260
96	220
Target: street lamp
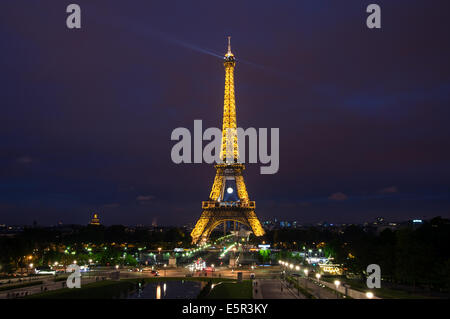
306	278
297	268
369	295
318	279
337	283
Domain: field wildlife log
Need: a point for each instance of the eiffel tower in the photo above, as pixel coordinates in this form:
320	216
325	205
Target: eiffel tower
228	200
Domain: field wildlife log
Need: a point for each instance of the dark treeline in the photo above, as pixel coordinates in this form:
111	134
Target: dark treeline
412	256
105	235
102	234
46	244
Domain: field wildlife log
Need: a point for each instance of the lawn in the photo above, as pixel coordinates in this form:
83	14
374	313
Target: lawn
232	290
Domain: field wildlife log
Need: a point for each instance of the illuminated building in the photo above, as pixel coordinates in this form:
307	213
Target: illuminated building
95	220
228	200
332	269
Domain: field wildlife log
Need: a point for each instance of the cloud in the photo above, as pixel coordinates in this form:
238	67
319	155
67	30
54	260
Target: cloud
145	197
24	160
112	205
338	196
389	190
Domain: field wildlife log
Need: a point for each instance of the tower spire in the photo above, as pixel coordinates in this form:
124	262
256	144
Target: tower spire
229	151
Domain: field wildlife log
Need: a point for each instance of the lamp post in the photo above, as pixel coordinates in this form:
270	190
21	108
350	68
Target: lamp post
297	268
318	279
306	278
282	269
337	283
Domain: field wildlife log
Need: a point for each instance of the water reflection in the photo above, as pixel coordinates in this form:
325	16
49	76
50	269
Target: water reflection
158	292
170	290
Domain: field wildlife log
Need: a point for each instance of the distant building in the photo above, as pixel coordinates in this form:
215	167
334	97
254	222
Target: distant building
95	220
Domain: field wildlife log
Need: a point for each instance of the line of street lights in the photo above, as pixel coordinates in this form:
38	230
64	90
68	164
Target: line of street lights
337	283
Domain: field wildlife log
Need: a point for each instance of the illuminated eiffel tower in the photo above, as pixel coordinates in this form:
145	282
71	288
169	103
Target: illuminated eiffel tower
228	200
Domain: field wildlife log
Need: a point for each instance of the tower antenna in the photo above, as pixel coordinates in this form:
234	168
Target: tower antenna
229	44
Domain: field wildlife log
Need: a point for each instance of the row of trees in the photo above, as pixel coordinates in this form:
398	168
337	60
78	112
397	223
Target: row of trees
41	246
412	256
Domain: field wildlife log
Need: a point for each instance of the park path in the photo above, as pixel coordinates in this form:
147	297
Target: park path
317	291
273	289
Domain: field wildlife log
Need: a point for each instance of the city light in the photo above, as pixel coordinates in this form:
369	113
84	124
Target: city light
337	283
318	276
369	295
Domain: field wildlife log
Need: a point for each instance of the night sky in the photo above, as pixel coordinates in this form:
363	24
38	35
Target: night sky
86	115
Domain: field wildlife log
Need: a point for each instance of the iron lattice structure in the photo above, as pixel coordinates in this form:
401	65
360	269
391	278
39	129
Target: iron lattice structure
228	200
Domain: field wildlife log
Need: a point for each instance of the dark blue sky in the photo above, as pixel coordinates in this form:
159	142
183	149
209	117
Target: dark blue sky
86	115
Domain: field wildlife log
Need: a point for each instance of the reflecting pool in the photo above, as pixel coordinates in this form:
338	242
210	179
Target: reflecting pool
168	290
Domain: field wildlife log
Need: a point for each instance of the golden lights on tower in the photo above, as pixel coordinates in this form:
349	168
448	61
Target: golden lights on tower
222	207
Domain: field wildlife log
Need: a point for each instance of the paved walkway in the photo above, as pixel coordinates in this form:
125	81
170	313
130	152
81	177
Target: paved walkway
273	289
317	291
